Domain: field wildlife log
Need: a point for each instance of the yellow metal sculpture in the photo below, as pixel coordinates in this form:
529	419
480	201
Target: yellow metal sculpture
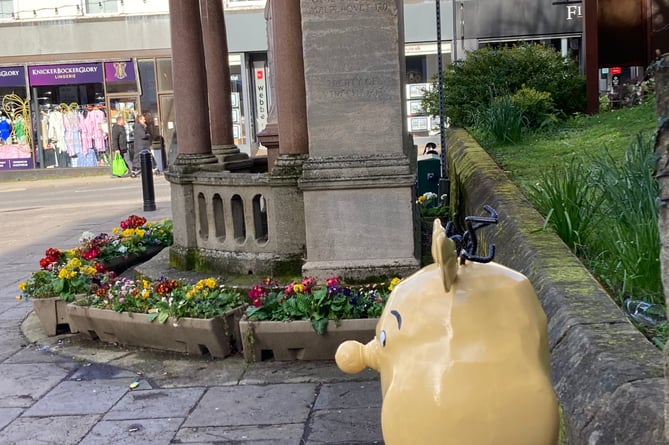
463	355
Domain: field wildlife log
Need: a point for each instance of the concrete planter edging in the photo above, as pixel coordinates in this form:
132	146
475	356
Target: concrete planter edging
297	340
52	312
608	377
217	336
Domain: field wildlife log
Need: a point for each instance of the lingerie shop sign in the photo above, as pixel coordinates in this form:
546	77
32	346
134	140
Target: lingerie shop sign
65	74
12	76
121	71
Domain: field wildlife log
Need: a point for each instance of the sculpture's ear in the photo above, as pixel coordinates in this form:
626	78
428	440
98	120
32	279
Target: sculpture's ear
444	254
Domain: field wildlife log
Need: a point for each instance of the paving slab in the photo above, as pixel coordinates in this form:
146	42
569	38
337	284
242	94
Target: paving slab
349	395
58	430
101	371
285	434
156	403
7	415
254	405
173	370
13	314
135	432
23	384
41	354
79	398
300	372
356	425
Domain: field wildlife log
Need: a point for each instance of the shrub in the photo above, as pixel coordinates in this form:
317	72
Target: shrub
537	107
569	202
503	121
630	247
505	70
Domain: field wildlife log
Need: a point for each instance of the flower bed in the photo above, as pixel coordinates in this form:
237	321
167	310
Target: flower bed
305	321
198	336
165	314
83	269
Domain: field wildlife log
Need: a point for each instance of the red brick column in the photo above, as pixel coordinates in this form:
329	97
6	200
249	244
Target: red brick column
289	89
218	71
190	84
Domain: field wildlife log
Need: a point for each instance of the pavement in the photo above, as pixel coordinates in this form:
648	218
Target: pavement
67	389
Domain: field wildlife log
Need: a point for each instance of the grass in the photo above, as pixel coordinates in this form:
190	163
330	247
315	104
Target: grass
593	180
541	152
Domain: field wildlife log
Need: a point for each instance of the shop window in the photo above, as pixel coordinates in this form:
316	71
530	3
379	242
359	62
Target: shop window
61	111
15	129
238	120
101	7
147	78
6	9
416	69
164	75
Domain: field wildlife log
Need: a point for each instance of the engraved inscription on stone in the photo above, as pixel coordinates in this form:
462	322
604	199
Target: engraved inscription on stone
348	6
356	86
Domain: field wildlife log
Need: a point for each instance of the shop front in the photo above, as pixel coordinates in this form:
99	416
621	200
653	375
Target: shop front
15	129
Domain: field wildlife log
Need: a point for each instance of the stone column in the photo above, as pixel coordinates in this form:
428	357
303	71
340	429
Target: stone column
358	182
289	75
290	89
269	137
190	84
218	81
192	123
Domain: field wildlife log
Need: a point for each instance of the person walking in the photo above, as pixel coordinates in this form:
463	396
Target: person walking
142	142
157	144
119	140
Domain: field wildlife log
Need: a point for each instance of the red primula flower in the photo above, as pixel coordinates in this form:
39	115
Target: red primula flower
90	254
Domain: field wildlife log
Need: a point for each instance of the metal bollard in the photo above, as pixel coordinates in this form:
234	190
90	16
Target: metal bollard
147	181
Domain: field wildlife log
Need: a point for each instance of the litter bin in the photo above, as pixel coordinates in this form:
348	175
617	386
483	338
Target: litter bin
429	173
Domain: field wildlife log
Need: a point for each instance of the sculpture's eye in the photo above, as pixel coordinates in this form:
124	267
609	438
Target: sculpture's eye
382	338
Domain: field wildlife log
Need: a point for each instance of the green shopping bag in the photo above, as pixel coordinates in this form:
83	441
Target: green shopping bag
118	165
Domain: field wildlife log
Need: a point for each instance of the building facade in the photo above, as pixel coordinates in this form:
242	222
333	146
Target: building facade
71	66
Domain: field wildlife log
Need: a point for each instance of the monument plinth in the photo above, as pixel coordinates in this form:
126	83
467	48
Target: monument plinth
358	181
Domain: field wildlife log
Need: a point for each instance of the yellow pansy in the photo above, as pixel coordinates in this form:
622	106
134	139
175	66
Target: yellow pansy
22	285
88	270
298	288
73	263
66	274
394	282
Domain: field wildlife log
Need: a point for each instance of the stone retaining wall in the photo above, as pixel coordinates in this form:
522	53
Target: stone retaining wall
608	377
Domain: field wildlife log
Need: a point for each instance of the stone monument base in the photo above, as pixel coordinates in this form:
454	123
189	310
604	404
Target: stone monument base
361	270
235	263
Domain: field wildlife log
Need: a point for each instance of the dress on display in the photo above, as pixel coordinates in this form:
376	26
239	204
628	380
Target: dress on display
5	129
89	158
96	119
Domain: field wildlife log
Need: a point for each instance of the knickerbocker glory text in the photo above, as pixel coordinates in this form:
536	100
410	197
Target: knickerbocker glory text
9	73
64	70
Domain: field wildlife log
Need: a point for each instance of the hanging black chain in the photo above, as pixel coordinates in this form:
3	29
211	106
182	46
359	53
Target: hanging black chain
440	83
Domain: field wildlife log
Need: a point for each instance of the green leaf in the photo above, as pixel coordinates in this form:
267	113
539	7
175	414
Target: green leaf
163	316
152	316
320	325
58	285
